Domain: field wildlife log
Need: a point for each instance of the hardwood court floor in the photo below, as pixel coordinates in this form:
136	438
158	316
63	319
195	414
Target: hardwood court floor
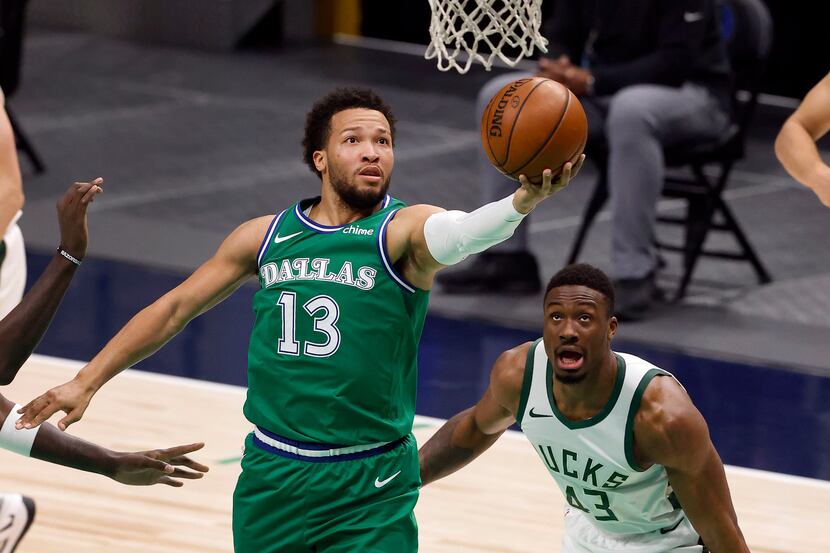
504	502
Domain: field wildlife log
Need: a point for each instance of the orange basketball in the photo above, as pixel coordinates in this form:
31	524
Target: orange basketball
531	125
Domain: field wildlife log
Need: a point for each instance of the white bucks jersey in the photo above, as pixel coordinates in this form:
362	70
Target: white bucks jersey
592	460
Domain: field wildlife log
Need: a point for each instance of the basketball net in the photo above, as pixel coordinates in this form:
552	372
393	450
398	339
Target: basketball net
461	30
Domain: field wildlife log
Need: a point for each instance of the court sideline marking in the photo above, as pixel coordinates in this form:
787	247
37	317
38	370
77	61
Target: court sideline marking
419	419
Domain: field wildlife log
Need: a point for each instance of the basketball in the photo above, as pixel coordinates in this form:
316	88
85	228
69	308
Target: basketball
531	125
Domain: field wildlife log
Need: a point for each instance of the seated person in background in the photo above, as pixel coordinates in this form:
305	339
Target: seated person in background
795	145
650	74
20	332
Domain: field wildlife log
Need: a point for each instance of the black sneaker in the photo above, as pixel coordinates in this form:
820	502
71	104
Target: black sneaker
634	298
17	512
494	272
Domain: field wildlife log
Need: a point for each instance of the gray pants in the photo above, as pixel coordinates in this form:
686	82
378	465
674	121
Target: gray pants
637	123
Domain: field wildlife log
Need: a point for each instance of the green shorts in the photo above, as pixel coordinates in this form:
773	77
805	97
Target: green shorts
360	502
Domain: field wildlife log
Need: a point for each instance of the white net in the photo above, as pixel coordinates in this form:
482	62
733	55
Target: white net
464	31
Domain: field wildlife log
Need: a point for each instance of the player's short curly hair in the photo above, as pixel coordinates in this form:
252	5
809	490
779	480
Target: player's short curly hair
582	274
318	120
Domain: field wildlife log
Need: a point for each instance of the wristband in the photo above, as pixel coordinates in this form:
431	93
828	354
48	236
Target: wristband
69	256
18	441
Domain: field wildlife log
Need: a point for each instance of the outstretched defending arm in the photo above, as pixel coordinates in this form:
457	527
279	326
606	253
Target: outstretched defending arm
144	468
232	265
795	145
22	329
423	239
470	433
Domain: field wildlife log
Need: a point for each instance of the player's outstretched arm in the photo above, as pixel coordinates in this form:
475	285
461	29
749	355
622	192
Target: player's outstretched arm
470	433
669	430
22	329
144	468
232	265
795	145
422	239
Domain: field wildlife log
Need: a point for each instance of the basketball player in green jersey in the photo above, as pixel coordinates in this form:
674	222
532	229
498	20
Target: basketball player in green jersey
331	465
621	437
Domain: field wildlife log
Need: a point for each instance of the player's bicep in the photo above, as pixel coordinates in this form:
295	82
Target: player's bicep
230	267
490	415
496	410
814	112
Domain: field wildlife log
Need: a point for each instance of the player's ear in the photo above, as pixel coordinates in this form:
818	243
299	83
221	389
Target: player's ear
612	327
320	161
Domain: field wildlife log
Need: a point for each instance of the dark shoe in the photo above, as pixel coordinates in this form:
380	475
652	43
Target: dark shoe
17	512
634	298
507	273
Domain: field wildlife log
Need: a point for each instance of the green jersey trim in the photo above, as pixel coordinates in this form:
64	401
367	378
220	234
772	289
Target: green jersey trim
266	241
313	225
599	417
526	382
636	399
387	262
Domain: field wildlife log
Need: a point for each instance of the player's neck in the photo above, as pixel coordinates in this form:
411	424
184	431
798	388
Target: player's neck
333	211
583	400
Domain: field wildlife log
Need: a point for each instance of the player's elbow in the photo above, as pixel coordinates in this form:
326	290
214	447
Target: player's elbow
7	373
13	196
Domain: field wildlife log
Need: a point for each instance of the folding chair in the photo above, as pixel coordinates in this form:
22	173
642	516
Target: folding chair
747	28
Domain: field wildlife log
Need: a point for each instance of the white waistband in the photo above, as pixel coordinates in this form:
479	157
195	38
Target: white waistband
297	450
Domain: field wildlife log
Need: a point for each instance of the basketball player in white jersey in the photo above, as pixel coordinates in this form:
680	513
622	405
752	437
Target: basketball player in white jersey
621	437
20	332
12	253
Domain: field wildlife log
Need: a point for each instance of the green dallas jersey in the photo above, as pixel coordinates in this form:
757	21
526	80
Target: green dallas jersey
333	351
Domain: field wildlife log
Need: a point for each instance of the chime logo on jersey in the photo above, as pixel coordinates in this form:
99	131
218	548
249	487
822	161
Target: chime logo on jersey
303	268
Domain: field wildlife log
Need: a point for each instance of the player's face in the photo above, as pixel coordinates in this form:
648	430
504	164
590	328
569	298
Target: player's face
359	156
577	331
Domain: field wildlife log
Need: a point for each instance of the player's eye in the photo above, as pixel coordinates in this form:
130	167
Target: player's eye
556	316
383	141
351	139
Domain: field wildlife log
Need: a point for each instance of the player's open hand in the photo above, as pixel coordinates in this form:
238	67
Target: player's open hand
72	215
529	195
72	398
159	466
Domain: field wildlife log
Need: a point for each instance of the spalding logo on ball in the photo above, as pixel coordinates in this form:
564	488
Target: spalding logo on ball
531	125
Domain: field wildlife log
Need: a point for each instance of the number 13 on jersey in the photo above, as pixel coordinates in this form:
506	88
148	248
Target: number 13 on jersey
324	311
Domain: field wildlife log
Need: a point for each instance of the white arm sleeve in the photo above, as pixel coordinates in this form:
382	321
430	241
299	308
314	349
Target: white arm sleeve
453	235
18	441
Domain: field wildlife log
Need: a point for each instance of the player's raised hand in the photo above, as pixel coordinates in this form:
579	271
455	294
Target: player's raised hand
72	215
72	398
529	195
159	466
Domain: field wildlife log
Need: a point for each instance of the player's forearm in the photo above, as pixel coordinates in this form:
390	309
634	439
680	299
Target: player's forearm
797	152
455	444
53	446
22	329
142	336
